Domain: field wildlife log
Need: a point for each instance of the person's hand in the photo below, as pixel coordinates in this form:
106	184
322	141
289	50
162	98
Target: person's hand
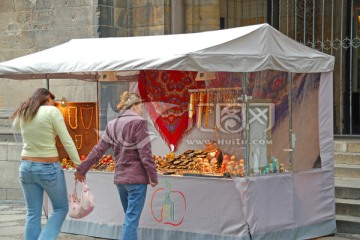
79	177
153	184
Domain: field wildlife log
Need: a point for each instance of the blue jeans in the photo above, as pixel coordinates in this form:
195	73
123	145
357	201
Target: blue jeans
35	178
132	198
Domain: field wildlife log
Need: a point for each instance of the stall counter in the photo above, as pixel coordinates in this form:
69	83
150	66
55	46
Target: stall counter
274	206
177	208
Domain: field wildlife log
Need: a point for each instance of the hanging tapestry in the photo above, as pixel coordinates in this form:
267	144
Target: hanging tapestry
167	101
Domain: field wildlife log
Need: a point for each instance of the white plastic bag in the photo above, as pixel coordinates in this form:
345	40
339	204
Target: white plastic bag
83	206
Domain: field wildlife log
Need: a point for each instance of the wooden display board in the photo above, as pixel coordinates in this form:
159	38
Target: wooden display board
81	119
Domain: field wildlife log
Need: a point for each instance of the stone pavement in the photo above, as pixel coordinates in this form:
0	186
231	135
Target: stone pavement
12	219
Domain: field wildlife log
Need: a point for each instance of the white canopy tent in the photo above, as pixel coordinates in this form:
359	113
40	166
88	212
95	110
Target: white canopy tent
245	49
295	205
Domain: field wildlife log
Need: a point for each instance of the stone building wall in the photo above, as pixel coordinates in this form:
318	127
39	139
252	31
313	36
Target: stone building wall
10	188
31	26
202	15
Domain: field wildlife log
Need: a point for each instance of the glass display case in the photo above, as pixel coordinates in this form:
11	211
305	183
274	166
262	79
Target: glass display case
249	117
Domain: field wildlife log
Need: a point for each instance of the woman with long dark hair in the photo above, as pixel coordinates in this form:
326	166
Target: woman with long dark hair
40	170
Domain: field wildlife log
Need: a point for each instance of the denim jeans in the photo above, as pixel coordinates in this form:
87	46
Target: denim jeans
35	178
132	198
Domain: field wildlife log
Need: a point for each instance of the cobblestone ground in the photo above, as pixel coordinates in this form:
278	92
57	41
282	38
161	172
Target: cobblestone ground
12	219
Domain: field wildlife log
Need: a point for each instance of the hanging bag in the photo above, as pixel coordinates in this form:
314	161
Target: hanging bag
83	206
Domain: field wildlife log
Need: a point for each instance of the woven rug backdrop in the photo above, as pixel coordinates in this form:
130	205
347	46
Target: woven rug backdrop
167	101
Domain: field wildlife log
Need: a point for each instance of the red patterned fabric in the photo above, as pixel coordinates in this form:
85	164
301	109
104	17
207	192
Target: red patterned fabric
167	101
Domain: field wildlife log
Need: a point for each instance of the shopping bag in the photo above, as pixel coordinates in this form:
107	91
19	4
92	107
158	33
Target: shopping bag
83	206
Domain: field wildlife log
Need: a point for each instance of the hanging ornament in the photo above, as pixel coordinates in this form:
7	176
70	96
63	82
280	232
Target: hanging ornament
78	141
207	109
172	153
73	121
191	105
82	113
200	109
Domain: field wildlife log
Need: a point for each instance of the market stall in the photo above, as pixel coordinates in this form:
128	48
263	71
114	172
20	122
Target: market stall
261	97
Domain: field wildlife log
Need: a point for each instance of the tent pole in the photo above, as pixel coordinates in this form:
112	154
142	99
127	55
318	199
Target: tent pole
47	82
97	93
97	102
291	134
247	137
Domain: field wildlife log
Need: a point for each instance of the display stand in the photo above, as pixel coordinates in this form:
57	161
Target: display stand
81	119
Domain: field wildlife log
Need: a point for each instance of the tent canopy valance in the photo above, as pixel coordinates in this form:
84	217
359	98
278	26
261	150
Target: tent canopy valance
244	49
